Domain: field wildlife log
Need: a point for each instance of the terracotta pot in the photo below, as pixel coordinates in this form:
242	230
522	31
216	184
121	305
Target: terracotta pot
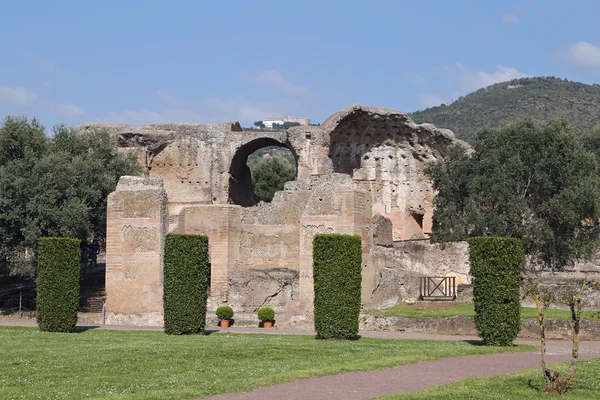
224	323
268	324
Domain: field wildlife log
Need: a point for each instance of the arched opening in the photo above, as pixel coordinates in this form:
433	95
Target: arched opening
259	151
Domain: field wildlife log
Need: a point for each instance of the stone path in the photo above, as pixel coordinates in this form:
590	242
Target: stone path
401	379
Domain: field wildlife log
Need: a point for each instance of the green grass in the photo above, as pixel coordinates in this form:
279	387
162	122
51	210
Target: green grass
151	365
466	310
521	385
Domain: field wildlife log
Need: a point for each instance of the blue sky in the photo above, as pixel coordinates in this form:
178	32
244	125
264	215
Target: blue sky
141	62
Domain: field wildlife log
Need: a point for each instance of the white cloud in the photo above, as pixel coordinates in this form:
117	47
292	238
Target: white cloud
69	110
510	19
238	108
277	81
431	100
463	80
585	54
17	96
470	80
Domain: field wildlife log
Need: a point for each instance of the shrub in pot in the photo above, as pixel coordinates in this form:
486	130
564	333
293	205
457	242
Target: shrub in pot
267	316
224	313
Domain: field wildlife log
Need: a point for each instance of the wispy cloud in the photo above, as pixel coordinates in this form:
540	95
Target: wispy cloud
470	80
510	20
431	100
68	110
18	96
278	82
584	54
463	80
177	109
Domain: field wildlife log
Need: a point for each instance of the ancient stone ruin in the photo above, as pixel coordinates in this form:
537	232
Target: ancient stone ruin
360	172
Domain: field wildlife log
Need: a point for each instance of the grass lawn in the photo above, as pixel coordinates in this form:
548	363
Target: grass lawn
521	385
452	309
151	365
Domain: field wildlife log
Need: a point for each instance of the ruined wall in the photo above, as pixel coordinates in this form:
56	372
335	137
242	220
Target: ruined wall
262	256
398	265
137	221
361	162
386	152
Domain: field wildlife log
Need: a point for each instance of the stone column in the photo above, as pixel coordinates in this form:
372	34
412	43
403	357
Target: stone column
136	225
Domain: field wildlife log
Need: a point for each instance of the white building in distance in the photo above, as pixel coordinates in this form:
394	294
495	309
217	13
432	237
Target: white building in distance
269	122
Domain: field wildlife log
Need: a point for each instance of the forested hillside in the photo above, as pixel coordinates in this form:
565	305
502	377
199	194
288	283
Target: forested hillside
540	98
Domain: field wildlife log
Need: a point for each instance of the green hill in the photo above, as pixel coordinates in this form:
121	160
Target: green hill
540	98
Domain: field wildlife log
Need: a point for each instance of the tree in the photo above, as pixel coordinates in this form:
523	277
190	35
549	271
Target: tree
287	125
53	186
269	175
538	184
535	183
591	141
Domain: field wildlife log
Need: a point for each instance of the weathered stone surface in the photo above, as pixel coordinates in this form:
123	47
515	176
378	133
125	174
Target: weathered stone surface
556	329
137	222
399	268
382	231
251	289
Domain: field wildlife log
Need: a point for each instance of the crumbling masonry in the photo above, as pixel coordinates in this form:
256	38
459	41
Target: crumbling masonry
360	172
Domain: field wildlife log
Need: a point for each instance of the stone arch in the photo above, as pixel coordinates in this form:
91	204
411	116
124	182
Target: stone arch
240	180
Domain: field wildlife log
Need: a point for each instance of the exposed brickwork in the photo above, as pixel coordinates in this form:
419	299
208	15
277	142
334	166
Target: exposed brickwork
136	225
362	161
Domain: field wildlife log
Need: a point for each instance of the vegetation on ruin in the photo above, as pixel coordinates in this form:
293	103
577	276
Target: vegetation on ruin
58	284
53	186
269	175
495	264
152	365
186	275
337	268
466	309
542	99
526	385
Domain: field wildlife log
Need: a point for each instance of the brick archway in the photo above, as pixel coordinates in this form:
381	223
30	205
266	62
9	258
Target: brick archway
240	180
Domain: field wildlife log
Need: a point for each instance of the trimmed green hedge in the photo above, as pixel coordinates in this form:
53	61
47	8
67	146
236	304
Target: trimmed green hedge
186	272
337	266
58	274
496	269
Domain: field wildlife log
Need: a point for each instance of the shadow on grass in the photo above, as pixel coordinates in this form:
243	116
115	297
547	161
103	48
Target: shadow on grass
479	342
84	328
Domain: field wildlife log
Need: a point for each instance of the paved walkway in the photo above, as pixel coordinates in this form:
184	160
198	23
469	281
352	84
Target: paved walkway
401	379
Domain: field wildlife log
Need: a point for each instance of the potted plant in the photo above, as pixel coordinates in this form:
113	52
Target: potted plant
224	313
267	316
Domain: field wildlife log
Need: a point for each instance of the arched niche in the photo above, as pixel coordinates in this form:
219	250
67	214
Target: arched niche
240	179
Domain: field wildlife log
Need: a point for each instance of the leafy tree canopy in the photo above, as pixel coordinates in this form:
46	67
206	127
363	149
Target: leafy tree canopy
270	174
53	186
536	183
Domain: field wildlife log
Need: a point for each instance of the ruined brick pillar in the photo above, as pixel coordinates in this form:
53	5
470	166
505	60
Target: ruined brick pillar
352	217
136	225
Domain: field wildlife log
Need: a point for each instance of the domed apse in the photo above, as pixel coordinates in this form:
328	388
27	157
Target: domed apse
241	190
